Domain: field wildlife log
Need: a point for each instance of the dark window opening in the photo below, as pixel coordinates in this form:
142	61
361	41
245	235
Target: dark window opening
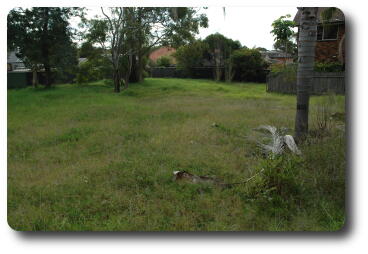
319	33
327	32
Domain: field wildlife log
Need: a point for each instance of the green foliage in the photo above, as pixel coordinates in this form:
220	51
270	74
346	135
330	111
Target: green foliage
214	50
42	37
87	50
287	46
278	190
164	61
283	33
138	29
94	69
190	55
220	47
218	54
281	68
249	65
288	71
328	67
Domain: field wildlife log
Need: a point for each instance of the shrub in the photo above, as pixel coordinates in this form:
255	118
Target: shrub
249	65
328	67
190	55
93	70
278	189
86	73
288	71
164	61
280	67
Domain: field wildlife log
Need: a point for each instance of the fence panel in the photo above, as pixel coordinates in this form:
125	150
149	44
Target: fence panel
323	82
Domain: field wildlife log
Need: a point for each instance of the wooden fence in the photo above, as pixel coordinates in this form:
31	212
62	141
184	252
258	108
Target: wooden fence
323	82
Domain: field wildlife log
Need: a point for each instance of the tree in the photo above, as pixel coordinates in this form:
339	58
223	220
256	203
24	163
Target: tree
110	32
42	37
191	55
219	51
306	54
174	26
129	33
249	65
283	32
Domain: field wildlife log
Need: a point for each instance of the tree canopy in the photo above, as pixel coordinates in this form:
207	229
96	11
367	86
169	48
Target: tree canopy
129	33
42	37
283	33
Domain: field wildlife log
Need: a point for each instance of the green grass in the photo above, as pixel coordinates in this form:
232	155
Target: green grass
84	158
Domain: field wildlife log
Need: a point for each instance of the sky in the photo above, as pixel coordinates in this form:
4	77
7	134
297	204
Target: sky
250	25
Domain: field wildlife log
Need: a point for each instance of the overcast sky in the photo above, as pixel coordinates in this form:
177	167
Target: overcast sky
250	25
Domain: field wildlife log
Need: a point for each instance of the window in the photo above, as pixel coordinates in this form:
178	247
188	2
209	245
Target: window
327	32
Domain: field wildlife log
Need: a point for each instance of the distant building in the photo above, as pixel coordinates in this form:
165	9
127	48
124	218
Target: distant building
14	63
330	46
275	56
163	51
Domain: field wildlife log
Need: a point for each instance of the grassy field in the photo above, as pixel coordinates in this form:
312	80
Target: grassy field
81	157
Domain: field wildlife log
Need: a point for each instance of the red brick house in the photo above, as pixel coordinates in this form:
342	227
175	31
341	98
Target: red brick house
330	46
163	51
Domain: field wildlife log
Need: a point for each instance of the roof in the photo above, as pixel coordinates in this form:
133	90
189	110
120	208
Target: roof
276	54
12	58
162	51
337	16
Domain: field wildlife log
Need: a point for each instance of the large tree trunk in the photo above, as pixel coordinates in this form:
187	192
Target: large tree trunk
306	54
117	80
140	68
128	71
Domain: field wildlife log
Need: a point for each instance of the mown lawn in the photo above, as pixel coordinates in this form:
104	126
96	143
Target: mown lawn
81	157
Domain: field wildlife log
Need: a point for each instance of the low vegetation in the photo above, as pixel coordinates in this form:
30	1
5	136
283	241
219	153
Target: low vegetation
81	157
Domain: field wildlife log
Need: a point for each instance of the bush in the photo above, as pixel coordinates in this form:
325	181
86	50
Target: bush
190	56
277	190
328	67
288	71
164	61
93	70
249	65
280	67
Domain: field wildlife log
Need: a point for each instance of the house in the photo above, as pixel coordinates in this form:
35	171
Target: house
162	51
14	63
330	46
276	56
